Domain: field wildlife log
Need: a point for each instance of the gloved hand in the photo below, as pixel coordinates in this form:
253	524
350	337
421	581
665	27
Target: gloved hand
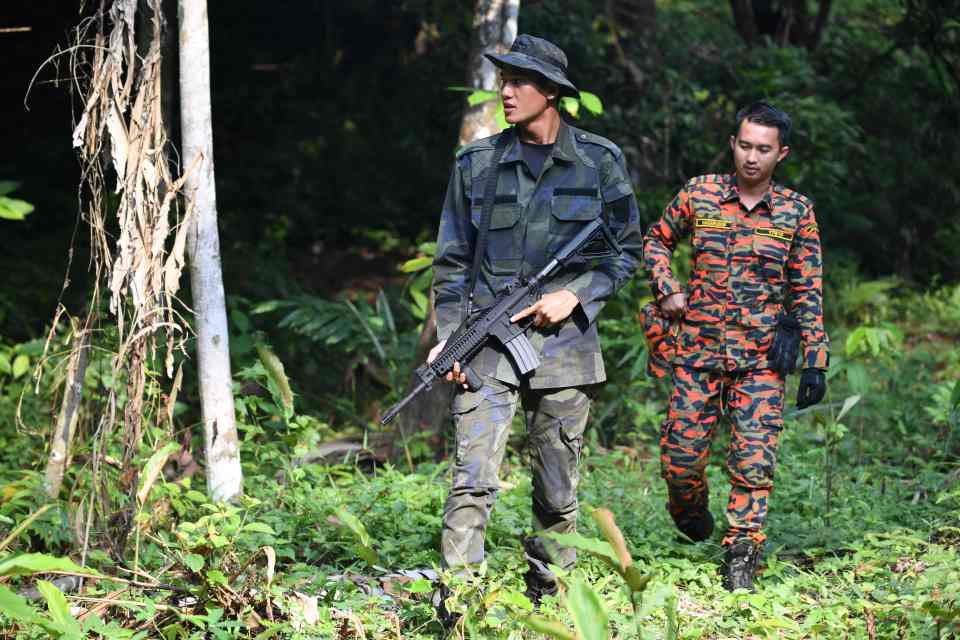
813	386
785	349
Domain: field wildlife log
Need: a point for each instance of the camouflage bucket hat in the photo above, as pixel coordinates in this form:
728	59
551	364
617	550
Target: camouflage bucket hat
540	56
661	338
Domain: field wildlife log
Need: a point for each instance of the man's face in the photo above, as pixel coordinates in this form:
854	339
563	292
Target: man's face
756	152
523	101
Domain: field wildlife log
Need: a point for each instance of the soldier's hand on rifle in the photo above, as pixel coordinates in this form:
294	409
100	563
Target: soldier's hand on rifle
552	308
674	305
455	374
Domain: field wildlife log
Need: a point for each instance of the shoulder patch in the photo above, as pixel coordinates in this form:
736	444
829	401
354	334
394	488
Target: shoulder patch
591	138
793	195
710	178
483	144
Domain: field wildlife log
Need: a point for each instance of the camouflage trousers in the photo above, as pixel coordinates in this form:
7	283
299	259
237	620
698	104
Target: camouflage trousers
555	420
753	400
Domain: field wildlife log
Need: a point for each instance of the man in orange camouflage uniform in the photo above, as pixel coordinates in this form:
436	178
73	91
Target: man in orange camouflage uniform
756	275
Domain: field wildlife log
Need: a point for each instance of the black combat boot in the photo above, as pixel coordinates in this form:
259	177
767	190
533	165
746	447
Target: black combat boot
697	525
537	587
740	565
448	619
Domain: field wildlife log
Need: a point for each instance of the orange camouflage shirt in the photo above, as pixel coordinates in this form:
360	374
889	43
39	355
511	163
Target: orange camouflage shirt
748	267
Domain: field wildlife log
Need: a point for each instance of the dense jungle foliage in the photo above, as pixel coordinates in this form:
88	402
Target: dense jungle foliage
334	131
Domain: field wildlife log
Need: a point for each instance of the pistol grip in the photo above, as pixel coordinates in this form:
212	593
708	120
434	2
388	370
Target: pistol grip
474	381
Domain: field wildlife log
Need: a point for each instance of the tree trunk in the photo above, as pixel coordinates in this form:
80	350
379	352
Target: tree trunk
494	29
744	20
69	410
224	476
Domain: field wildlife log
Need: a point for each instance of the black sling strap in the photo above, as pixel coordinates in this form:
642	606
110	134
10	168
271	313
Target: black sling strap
489	195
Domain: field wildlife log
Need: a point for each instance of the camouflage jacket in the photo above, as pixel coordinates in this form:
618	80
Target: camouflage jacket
583	176
748	266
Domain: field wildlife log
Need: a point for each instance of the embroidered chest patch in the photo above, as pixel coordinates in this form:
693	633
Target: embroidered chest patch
713	223
770	232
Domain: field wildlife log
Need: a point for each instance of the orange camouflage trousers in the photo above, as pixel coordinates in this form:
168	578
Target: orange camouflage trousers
753	400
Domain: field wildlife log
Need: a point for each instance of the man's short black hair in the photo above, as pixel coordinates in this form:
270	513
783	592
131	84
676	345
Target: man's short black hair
767	115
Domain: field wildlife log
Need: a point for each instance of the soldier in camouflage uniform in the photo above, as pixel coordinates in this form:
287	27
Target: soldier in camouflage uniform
756	274
552	179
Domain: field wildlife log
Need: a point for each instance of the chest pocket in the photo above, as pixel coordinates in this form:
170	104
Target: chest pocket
710	236
504	239
771	246
570	209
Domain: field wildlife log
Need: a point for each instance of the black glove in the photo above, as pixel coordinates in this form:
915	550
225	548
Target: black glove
785	349
813	386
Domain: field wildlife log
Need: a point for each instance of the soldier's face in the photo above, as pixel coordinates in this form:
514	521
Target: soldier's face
523	100
756	152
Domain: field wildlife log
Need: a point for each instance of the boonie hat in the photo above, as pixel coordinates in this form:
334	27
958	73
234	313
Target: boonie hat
540	56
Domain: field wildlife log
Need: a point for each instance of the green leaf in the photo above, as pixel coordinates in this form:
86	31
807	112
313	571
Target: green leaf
570	105
13	209
215	576
259	527
589	616
4	364
21	364
955	396
636	580
275	371
58	607
701	95
194	561
599	548
416	264
353	524
31	563
501	118
480	96
151	470
428	248
368	554
591	103
16	607
8	186
551	628
421	585
848	404
420	301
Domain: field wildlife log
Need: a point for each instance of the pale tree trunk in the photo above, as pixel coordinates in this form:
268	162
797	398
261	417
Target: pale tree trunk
224	476
494	29
66	424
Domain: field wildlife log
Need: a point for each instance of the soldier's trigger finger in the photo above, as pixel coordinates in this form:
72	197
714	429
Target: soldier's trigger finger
520	315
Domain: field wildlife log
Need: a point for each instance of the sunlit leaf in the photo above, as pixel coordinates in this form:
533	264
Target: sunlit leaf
480	96
14	209
416	264
848	404
278	376
599	548
58	608
152	469
586	609
194	561
570	105
31	563
21	364
591	103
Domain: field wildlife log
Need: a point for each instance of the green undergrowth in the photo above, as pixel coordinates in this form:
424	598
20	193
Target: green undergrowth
863	528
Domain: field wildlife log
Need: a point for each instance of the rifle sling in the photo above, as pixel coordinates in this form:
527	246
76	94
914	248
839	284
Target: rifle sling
486	212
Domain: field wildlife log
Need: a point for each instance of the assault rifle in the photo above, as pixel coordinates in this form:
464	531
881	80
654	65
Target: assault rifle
595	240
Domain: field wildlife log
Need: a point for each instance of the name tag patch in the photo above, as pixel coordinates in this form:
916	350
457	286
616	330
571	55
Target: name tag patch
713	223
770	232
